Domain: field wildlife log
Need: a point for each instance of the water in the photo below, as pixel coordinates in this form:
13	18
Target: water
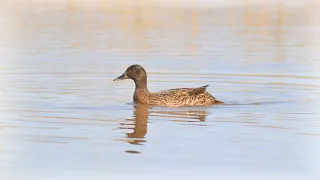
62	116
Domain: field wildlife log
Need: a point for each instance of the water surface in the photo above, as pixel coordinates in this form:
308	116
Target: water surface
62	116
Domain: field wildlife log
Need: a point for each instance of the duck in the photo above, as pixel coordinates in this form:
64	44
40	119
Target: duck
170	98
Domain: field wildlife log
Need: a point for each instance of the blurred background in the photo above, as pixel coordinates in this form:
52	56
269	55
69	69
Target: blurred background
62	117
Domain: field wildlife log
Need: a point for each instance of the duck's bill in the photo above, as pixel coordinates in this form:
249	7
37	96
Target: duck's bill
122	77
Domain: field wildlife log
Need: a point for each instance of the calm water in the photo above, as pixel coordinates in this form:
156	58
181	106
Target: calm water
62	116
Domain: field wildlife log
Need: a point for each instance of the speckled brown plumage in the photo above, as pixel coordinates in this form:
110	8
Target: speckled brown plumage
171	98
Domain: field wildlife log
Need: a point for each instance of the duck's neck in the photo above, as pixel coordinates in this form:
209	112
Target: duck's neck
141	85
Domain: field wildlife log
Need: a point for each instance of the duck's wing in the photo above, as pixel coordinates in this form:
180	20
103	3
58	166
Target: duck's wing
186	91
199	90
183	96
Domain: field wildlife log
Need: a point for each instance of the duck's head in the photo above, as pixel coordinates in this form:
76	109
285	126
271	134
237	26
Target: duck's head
134	72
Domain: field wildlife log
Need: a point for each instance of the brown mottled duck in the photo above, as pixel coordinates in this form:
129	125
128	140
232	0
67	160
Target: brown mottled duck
171	98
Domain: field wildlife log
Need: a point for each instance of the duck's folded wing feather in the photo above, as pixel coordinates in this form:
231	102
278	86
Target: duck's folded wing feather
186	91
199	90
184	96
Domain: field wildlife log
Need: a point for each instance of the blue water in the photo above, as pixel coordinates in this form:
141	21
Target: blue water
62	116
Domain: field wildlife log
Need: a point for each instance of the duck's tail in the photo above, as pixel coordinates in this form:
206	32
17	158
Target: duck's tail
218	102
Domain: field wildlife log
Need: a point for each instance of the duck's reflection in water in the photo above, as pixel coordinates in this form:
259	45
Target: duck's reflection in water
140	119
182	114
142	113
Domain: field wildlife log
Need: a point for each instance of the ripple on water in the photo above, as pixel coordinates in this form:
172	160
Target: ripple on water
61	115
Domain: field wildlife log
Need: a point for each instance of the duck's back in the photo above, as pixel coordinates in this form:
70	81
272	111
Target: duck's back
182	97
